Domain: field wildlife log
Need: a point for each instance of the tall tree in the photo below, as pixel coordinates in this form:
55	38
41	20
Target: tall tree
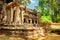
51	6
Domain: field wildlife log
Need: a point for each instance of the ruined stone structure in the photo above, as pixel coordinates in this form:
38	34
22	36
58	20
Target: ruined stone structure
17	20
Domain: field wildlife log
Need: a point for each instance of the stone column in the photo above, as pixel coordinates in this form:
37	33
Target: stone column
11	14
27	20
31	21
34	21
22	16
4	12
37	21
17	15
8	16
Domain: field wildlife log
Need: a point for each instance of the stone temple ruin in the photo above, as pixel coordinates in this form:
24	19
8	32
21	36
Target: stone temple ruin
17	20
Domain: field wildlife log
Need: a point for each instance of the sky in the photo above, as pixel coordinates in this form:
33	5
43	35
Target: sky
33	4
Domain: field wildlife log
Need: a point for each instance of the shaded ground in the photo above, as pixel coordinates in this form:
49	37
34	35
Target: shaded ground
48	37
52	37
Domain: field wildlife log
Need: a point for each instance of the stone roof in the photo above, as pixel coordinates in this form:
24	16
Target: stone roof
31	10
13	4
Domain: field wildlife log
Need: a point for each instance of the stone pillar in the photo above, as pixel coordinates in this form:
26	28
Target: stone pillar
17	15
4	12
22	18
27	20
37	21
31	21
34	21
8	16
11	14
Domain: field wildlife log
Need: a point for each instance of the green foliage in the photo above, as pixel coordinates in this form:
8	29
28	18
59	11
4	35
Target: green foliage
49	10
58	17
24	2
46	19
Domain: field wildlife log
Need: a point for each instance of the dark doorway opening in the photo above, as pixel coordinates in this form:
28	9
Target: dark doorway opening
33	21
29	21
24	20
36	21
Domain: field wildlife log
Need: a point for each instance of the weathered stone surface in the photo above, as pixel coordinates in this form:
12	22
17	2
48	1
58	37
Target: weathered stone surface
20	23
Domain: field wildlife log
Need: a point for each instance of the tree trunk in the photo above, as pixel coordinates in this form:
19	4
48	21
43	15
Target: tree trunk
55	16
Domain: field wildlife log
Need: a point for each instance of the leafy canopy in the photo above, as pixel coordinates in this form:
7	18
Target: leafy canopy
50	8
24	2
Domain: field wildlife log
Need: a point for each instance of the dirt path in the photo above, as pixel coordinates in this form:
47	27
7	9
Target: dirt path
52	37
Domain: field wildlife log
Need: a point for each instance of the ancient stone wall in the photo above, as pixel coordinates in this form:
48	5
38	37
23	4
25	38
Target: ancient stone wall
19	22
55	25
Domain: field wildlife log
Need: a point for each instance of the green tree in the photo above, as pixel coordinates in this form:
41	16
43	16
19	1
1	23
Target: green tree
52	8
24	2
